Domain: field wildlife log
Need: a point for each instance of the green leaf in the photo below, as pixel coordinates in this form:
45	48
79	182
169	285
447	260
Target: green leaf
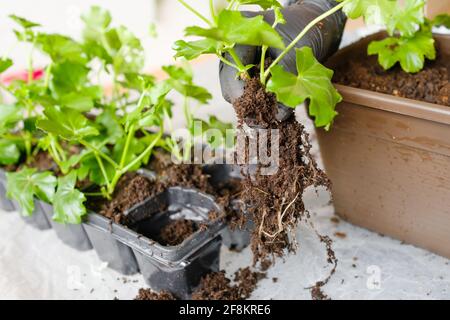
313	82
5	63
24	23
130	55
410	52
407	20
265	4
9	152
67	123
109	121
192	49
232	28
61	48
24	185
9	116
152	30
68	202
279	18
181	80
374	11
96	20
442	20
68	77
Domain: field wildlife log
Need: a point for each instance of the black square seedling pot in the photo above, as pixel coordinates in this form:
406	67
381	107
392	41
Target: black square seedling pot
177	269
72	235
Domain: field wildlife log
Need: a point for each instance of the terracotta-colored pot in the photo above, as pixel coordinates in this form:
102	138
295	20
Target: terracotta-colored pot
389	161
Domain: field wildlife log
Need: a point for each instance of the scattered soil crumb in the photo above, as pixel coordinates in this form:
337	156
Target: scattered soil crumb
176	232
335	220
216	285
148	294
265	264
341	235
317	293
274	279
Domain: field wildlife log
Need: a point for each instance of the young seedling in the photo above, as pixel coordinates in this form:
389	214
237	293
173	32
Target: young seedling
56	115
409	43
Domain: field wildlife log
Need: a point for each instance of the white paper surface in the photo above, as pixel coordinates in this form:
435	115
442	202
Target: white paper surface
36	265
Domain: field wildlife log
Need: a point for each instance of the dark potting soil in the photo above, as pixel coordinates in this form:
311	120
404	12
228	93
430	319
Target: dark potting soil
130	190
275	201
133	188
176	232
148	294
432	84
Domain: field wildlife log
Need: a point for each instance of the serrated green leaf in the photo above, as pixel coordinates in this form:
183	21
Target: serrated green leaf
265	4
5	63
9	152
442	20
232	28
409	52
407	20
24	23
61	48
374	11
110	122
9	116
68	202
313	82
96	21
66	123
24	185
193	49
129	54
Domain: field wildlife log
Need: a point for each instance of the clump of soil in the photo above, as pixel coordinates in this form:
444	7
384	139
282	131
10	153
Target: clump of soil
176	232
131	189
275	201
148	294
430	84
42	161
216	285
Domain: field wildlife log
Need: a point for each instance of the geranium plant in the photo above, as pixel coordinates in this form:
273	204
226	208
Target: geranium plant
92	137
409	42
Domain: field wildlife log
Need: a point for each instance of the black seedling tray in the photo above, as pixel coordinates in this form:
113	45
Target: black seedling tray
5	204
177	269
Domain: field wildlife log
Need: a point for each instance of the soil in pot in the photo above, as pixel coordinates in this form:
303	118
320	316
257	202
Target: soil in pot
275	201
134	188
176	232
430	84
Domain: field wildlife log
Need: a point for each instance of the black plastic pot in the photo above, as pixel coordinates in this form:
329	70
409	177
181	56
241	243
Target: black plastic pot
38	219
233	238
5	203
72	235
177	269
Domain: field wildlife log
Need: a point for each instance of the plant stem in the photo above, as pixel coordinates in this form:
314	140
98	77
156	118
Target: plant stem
100	153
262	64
47	74
102	169
30	62
121	172
227	62
212	11
300	36
143	154
198	14
238	62
127	146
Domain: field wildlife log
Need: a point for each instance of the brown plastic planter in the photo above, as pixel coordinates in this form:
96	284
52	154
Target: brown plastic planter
389	161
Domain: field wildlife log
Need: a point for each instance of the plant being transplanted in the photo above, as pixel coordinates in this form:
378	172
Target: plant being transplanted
90	139
276	201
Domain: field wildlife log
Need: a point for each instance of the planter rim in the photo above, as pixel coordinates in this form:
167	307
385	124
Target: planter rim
386	102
